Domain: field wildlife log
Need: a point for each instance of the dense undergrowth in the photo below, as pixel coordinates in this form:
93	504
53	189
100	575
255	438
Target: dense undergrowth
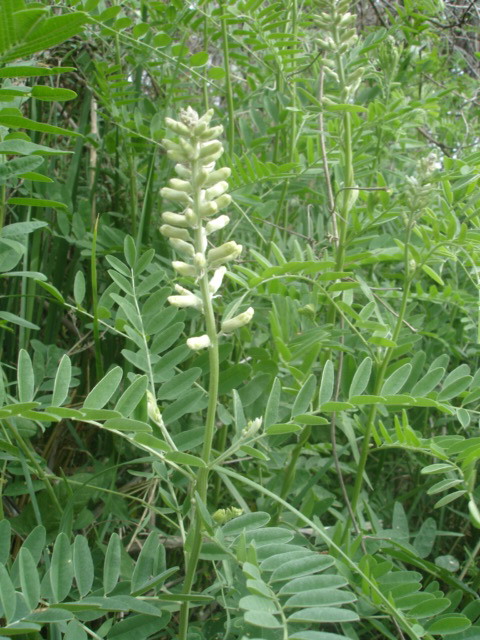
240	395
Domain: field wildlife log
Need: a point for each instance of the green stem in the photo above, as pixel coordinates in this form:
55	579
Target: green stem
228	81
96	326
380	378
201	481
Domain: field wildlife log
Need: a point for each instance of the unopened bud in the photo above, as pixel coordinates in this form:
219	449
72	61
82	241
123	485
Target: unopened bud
180	185
188	150
223	201
224	253
189	117
191	217
216	224
175	232
177	127
217	279
184	302
175	219
185	248
201	177
208	208
238	321
210	148
175	196
200	261
217	190
211	133
184	269
152	409
198	342
216	176
182	171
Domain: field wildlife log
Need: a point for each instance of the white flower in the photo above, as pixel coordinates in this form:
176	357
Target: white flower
198	342
238	321
216	280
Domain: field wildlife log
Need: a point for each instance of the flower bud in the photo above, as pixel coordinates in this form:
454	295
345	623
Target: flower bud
184	302
209	161
175	196
177	127
152	409
175	232
183	172
184	269
188	150
175	219
199	342
182	291
189	117
191	218
180	185
210	148
201	178
211	133
216	224
208	208
238	321
170	145
216	176
200	261
185	248
216	191
224	253
216	280
223	201
178	155
207	116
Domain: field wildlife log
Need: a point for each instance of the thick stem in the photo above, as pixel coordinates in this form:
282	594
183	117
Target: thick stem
201	482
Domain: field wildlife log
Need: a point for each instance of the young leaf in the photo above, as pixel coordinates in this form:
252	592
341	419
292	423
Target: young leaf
132	396
273	402
361	378
82	565
396	380
62	381
29	579
104	390
304	397
79	288
61	568
111	566
8	598
326	385
25	377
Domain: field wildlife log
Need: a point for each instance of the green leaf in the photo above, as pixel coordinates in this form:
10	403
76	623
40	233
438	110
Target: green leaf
262	619
361	378
111	565
18	166
425	538
26	148
455	388
328	597
273	403
428	382
8	598
5	540
82	565
129	251
26	71
25	377
323	615
448	498
246	522
198	59
326	385
449	624
29	579
56	94
62	381
138	626
179	384
429	608
433	274
79	288
61	568
350	108
19	122
37	202
257	603
279	429
185	458
299	567
104	390
132	396
396	380
146	564
304	397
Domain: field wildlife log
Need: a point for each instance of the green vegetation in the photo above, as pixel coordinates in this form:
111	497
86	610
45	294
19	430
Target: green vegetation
239	320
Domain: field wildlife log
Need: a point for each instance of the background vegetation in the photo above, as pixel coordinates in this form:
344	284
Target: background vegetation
354	149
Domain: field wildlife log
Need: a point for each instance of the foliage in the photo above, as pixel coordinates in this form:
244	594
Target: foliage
311	473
